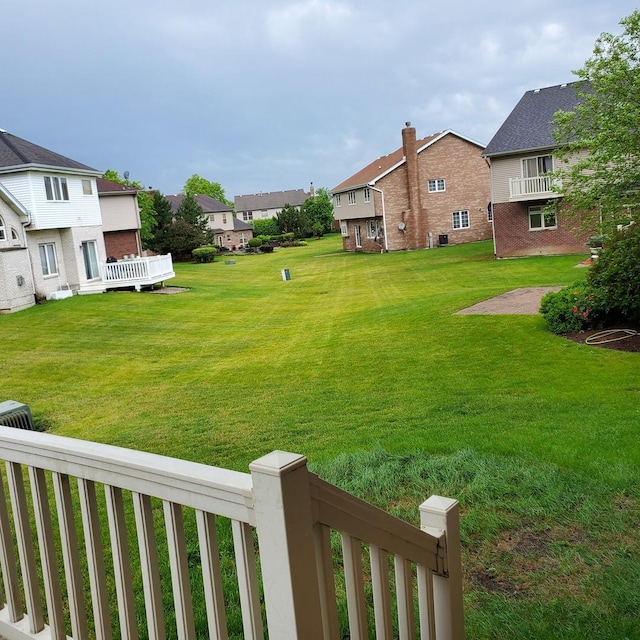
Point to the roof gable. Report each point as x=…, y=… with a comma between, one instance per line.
x=530, y=125
x=386, y=164
x=18, y=154
x=270, y=200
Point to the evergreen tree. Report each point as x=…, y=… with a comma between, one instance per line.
x=292, y=220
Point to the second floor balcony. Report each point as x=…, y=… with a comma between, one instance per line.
x=536, y=188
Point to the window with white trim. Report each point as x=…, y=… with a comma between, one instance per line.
x=373, y=230
x=264, y=213
x=247, y=216
x=224, y=218
x=490, y=212
x=436, y=184
x=56, y=188
x=14, y=234
x=48, y=259
x=3, y=234
x=540, y=217
x=367, y=194
x=344, y=228
x=336, y=199
x=461, y=219
x=352, y=197
x=87, y=190
x=537, y=166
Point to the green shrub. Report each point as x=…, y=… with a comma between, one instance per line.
x=616, y=274
x=265, y=227
x=255, y=242
x=204, y=254
x=573, y=308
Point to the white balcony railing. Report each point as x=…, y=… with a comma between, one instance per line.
x=532, y=188
x=146, y=540
x=137, y=272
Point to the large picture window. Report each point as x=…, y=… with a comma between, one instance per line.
x=48, y=259
x=56, y=188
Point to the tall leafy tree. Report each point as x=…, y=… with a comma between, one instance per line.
x=603, y=133
x=293, y=220
x=319, y=212
x=197, y=185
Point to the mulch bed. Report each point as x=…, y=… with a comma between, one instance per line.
x=631, y=344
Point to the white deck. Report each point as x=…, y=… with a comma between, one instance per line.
x=137, y=272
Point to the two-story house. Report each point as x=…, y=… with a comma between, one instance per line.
x=229, y=232
x=60, y=212
x=120, y=219
x=527, y=214
x=430, y=192
x=260, y=206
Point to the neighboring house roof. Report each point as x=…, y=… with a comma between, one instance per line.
x=208, y=204
x=386, y=164
x=271, y=200
x=108, y=187
x=238, y=225
x=16, y=153
x=530, y=125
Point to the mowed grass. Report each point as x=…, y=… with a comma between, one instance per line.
x=364, y=353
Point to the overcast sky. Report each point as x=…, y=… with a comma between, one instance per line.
x=267, y=95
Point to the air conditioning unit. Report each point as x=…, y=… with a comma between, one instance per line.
x=17, y=415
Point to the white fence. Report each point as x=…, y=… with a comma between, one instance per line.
x=137, y=272
x=159, y=547
x=539, y=186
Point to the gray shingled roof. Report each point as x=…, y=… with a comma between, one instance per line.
x=271, y=200
x=16, y=152
x=208, y=204
x=529, y=126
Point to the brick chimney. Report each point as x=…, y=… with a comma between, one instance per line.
x=312, y=191
x=413, y=216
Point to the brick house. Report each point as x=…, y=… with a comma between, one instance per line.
x=430, y=192
x=520, y=154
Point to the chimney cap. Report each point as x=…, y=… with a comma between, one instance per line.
x=408, y=124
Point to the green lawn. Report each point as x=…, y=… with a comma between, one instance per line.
x=363, y=353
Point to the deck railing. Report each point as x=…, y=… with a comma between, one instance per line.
x=532, y=188
x=161, y=547
x=137, y=272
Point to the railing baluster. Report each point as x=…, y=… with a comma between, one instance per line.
x=121, y=563
x=425, y=603
x=324, y=563
x=70, y=555
x=149, y=565
x=404, y=595
x=354, y=583
x=210, y=559
x=381, y=593
x=179, y=570
x=25, y=547
x=247, y=579
x=10, y=577
x=95, y=559
x=48, y=560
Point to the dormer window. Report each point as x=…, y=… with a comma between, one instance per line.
x=56, y=188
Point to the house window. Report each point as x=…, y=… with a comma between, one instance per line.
x=56, y=188
x=90, y=256
x=538, y=166
x=461, y=220
x=337, y=199
x=87, y=190
x=367, y=194
x=247, y=216
x=358, y=237
x=489, y=212
x=264, y=213
x=3, y=235
x=48, y=259
x=352, y=197
x=344, y=228
x=372, y=229
x=436, y=185
x=14, y=234
x=224, y=218
x=541, y=218
x=243, y=238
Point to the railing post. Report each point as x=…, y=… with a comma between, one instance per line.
x=442, y=515
x=284, y=522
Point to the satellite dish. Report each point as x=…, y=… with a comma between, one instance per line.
x=126, y=175
x=401, y=226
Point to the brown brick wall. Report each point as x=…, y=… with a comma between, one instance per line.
x=513, y=237
x=121, y=243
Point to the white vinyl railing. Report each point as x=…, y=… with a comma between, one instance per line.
x=137, y=272
x=539, y=186
x=158, y=547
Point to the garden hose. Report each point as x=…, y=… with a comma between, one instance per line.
x=602, y=337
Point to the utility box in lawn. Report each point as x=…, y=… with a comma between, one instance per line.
x=286, y=274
